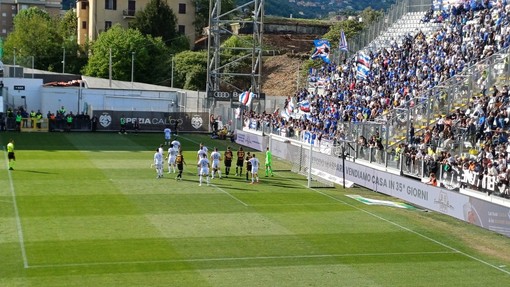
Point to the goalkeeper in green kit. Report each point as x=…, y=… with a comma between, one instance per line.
x=269, y=169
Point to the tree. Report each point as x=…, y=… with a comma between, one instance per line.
x=370, y=15
x=190, y=70
x=152, y=60
x=202, y=12
x=69, y=25
x=158, y=20
x=35, y=35
x=39, y=37
x=75, y=55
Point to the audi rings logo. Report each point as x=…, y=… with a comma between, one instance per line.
x=221, y=95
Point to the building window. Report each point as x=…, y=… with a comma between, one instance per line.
x=4, y=31
x=84, y=5
x=84, y=24
x=131, y=7
x=107, y=25
x=110, y=4
x=24, y=6
x=13, y=7
x=182, y=8
x=4, y=14
x=182, y=29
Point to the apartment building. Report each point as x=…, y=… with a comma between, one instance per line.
x=97, y=16
x=10, y=8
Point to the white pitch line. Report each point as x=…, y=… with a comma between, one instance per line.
x=227, y=193
x=414, y=232
x=293, y=204
x=254, y=258
x=16, y=213
x=188, y=139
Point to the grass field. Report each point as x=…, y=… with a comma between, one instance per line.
x=83, y=209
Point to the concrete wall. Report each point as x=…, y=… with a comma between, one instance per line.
x=31, y=92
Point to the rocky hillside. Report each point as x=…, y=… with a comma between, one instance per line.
x=280, y=72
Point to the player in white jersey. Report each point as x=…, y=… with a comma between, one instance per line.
x=160, y=149
x=176, y=144
x=215, y=158
x=158, y=163
x=202, y=146
x=172, y=156
x=203, y=165
x=201, y=152
x=168, y=135
x=254, y=168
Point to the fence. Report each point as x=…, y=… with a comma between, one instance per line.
x=405, y=160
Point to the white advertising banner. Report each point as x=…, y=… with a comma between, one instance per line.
x=252, y=140
x=475, y=211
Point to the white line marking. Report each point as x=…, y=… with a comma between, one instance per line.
x=16, y=213
x=227, y=193
x=293, y=204
x=311, y=256
x=412, y=231
x=188, y=139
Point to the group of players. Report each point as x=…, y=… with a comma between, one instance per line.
x=206, y=163
x=174, y=156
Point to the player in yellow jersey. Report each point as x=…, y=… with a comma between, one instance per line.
x=240, y=161
x=10, y=154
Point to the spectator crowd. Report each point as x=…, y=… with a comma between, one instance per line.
x=401, y=73
x=20, y=118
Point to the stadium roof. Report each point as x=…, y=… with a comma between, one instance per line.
x=92, y=82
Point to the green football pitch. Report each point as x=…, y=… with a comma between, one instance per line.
x=86, y=209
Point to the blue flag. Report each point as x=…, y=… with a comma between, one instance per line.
x=322, y=49
x=342, y=43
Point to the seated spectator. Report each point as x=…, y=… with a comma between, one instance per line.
x=432, y=179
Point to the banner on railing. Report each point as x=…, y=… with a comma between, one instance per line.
x=482, y=213
x=252, y=140
x=187, y=122
x=454, y=179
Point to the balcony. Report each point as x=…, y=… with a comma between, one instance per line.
x=128, y=13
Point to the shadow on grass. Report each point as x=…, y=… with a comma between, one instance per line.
x=34, y=171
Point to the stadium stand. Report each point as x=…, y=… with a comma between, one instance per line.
x=465, y=144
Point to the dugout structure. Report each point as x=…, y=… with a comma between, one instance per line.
x=34, y=125
x=307, y=160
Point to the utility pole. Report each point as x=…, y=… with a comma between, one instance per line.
x=132, y=68
x=63, y=60
x=110, y=68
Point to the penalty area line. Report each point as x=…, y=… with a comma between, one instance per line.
x=227, y=193
x=16, y=214
x=226, y=259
